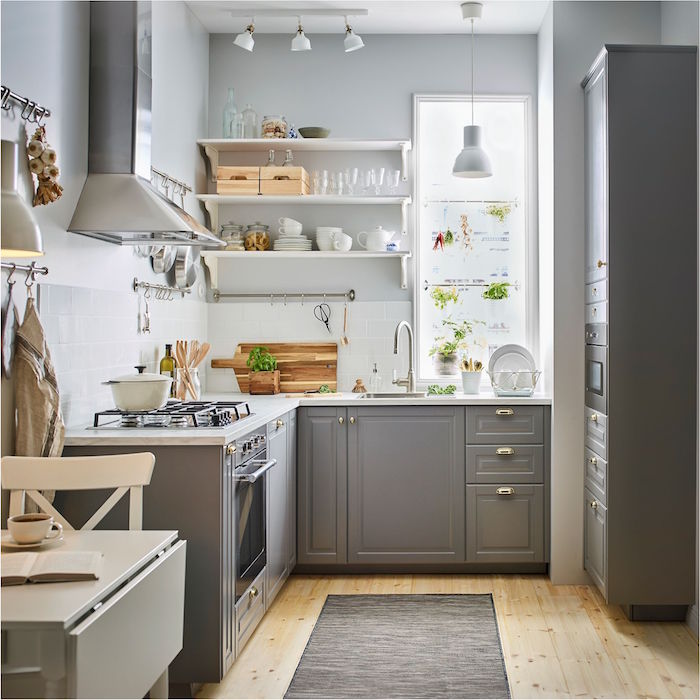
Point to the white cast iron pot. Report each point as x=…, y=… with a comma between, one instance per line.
x=140, y=392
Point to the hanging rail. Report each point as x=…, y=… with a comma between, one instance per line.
x=466, y=285
x=163, y=291
x=31, y=111
x=302, y=296
x=33, y=269
x=427, y=201
x=178, y=185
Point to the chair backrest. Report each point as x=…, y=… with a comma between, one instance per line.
x=27, y=476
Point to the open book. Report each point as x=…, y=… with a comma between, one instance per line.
x=48, y=567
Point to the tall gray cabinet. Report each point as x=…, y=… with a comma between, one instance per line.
x=641, y=294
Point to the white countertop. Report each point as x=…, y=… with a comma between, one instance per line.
x=268, y=408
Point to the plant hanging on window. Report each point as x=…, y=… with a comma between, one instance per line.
x=499, y=211
x=496, y=291
x=467, y=231
x=443, y=296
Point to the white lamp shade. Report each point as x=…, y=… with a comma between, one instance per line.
x=245, y=40
x=352, y=41
x=300, y=42
x=472, y=161
x=21, y=237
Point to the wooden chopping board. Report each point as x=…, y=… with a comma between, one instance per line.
x=302, y=395
x=302, y=366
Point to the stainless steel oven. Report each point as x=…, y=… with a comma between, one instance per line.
x=250, y=508
x=597, y=367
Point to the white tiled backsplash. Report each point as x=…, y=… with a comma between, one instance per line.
x=371, y=328
x=94, y=335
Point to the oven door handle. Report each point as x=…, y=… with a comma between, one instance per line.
x=254, y=476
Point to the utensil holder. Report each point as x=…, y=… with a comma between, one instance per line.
x=187, y=383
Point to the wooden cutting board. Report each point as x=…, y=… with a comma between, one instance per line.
x=302, y=366
x=302, y=395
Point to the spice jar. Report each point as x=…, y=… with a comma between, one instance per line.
x=232, y=235
x=274, y=127
x=257, y=237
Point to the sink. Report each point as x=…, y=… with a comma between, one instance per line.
x=394, y=395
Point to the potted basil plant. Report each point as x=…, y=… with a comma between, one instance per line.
x=446, y=348
x=263, y=375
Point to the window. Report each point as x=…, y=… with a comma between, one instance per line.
x=472, y=235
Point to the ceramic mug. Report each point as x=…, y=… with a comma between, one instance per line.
x=325, y=236
x=33, y=528
x=290, y=230
x=288, y=223
x=342, y=242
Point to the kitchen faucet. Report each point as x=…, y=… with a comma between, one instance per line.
x=410, y=381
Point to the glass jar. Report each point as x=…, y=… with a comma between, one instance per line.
x=232, y=235
x=274, y=127
x=250, y=122
x=187, y=389
x=229, y=116
x=257, y=237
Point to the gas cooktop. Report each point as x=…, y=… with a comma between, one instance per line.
x=176, y=414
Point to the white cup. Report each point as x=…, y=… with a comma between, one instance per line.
x=342, y=242
x=325, y=236
x=288, y=223
x=33, y=528
x=290, y=230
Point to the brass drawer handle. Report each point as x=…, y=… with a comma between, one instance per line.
x=253, y=593
x=505, y=451
x=280, y=423
x=504, y=411
x=601, y=264
x=593, y=417
x=594, y=505
x=505, y=491
x=352, y=419
x=341, y=420
x=230, y=449
x=593, y=460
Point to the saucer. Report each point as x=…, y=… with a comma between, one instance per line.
x=7, y=542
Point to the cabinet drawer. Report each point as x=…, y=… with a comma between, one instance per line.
x=596, y=432
x=597, y=313
x=277, y=426
x=490, y=425
x=596, y=292
x=490, y=464
x=596, y=475
x=595, y=536
x=116, y=631
x=505, y=523
x=249, y=611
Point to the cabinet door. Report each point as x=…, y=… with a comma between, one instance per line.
x=596, y=176
x=406, y=485
x=322, y=486
x=228, y=574
x=505, y=523
x=277, y=509
x=594, y=541
x=292, y=489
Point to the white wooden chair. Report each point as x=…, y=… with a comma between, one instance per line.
x=25, y=477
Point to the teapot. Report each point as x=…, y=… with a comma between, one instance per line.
x=376, y=239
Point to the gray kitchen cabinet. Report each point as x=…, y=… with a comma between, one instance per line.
x=292, y=489
x=277, y=509
x=405, y=484
x=489, y=425
x=491, y=464
x=594, y=539
x=322, y=486
x=641, y=422
x=505, y=523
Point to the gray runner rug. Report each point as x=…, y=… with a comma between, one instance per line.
x=403, y=646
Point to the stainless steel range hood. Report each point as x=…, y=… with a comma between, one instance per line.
x=118, y=202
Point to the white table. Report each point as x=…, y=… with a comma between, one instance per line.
x=114, y=637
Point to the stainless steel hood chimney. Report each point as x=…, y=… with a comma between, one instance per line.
x=118, y=202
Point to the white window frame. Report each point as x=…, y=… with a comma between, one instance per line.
x=530, y=218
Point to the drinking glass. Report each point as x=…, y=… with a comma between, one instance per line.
x=333, y=184
x=324, y=182
x=392, y=181
x=368, y=180
x=315, y=182
x=378, y=180
x=340, y=182
x=351, y=180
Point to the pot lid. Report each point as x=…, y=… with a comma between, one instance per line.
x=142, y=376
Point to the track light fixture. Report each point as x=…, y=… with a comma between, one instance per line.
x=352, y=41
x=300, y=42
x=245, y=39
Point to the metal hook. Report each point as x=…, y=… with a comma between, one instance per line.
x=29, y=105
x=40, y=119
x=285, y=300
x=147, y=293
x=170, y=295
x=302, y=298
x=10, y=281
x=5, y=99
x=29, y=281
x=272, y=300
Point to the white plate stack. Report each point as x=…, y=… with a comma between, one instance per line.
x=291, y=237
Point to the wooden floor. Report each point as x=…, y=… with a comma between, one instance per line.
x=558, y=641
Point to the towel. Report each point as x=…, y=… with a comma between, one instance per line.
x=40, y=430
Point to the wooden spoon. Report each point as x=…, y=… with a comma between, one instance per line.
x=344, y=340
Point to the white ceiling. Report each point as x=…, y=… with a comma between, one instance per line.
x=385, y=16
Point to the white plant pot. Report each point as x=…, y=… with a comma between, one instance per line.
x=445, y=366
x=471, y=382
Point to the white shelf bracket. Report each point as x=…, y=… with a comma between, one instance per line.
x=213, y=156
x=212, y=208
x=405, y=147
x=213, y=264
x=404, y=217
x=404, y=271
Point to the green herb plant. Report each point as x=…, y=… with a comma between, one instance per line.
x=496, y=291
x=437, y=390
x=260, y=360
x=499, y=212
x=442, y=296
x=447, y=346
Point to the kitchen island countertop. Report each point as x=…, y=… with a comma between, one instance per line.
x=267, y=408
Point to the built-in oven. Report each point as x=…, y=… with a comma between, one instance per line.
x=597, y=367
x=250, y=509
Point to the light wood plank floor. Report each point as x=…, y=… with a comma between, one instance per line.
x=558, y=641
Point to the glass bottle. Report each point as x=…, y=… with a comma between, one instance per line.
x=375, y=381
x=167, y=367
x=230, y=111
x=250, y=122
x=288, y=158
x=237, y=129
